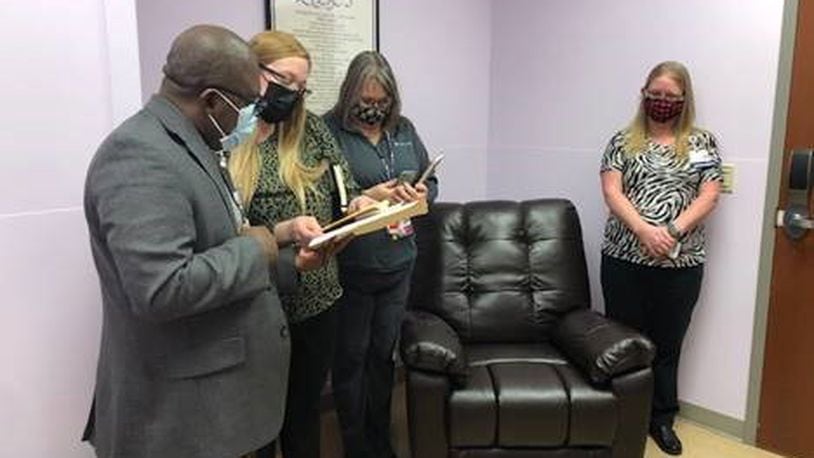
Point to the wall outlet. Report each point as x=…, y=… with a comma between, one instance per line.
x=728, y=186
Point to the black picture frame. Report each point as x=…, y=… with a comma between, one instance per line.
x=321, y=26
x=268, y=7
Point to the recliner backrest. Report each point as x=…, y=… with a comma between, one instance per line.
x=500, y=271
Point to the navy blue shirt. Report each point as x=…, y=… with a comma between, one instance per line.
x=400, y=149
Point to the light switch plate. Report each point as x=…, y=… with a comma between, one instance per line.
x=728, y=185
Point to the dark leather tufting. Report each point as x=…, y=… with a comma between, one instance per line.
x=504, y=356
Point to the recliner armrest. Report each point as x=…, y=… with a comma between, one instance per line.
x=600, y=347
x=429, y=344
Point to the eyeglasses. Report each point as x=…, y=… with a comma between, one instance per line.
x=229, y=97
x=657, y=95
x=243, y=100
x=285, y=81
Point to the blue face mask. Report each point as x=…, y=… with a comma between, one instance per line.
x=244, y=129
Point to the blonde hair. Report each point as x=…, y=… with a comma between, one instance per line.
x=244, y=162
x=638, y=132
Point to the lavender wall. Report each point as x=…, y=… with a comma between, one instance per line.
x=160, y=21
x=451, y=113
x=540, y=85
x=67, y=82
x=565, y=75
x=447, y=97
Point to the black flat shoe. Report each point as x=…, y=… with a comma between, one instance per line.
x=666, y=439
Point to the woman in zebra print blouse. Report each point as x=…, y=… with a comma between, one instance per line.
x=661, y=177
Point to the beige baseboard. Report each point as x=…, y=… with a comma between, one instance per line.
x=714, y=420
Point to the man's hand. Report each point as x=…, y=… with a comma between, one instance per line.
x=657, y=242
x=308, y=259
x=265, y=238
x=299, y=230
x=304, y=228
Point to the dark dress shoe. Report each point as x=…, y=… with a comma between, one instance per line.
x=666, y=439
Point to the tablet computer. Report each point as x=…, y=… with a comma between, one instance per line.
x=430, y=169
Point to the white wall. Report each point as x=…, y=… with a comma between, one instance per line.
x=566, y=74
x=67, y=80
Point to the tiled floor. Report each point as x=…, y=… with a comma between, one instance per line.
x=698, y=441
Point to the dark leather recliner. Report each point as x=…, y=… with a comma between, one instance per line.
x=504, y=356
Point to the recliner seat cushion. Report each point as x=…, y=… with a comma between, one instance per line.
x=539, y=352
x=521, y=453
x=530, y=404
x=473, y=411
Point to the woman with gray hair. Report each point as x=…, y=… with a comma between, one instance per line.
x=385, y=155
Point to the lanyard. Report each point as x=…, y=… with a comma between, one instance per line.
x=389, y=167
x=238, y=213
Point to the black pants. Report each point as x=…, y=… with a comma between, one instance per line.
x=659, y=303
x=268, y=451
x=312, y=345
x=370, y=314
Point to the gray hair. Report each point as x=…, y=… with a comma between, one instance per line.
x=365, y=66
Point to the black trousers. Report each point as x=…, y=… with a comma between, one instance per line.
x=267, y=451
x=659, y=303
x=370, y=314
x=312, y=345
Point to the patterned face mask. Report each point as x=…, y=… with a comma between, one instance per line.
x=244, y=128
x=370, y=114
x=661, y=110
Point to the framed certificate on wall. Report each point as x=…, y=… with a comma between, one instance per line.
x=333, y=32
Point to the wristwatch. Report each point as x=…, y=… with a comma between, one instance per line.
x=673, y=231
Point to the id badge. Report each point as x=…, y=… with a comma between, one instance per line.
x=701, y=159
x=673, y=254
x=401, y=229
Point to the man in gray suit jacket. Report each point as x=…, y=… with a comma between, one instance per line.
x=195, y=350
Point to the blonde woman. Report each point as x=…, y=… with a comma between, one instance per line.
x=660, y=178
x=288, y=174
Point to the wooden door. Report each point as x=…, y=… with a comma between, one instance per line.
x=786, y=416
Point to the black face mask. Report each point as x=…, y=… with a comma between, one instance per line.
x=277, y=103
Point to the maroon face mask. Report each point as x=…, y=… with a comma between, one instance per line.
x=660, y=110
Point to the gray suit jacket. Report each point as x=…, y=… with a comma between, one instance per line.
x=195, y=350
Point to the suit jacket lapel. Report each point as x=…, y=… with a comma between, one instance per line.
x=176, y=123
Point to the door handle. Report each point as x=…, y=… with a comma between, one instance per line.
x=791, y=218
x=796, y=220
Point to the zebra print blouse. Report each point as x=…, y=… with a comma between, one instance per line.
x=660, y=185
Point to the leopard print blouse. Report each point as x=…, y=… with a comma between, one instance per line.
x=274, y=202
